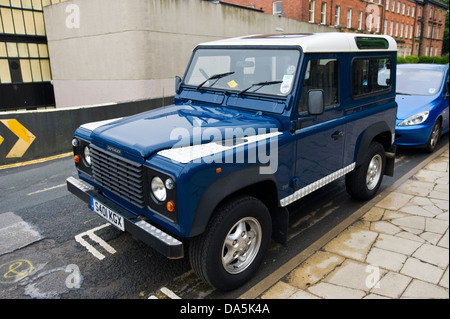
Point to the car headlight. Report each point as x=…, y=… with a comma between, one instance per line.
x=87, y=155
x=158, y=189
x=416, y=119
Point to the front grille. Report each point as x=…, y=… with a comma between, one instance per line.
x=121, y=176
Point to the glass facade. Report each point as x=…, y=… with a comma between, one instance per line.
x=25, y=74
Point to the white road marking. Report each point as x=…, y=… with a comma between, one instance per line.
x=91, y=234
x=169, y=293
x=46, y=189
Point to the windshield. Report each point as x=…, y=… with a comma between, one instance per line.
x=259, y=71
x=418, y=82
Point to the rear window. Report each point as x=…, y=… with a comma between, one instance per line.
x=371, y=76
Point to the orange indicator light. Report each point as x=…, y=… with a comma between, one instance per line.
x=77, y=159
x=170, y=206
x=218, y=170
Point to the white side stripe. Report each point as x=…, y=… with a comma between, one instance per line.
x=189, y=153
x=316, y=185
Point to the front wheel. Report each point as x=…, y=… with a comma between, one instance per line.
x=365, y=180
x=232, y=248
x=434, y=138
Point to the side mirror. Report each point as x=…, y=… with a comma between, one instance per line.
x=177, y=83
x=315, y=102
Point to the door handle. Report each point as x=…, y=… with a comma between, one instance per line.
x=337, y=135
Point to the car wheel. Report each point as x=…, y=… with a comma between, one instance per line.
x=365, y=180
x=232, y=248
x=434, y=137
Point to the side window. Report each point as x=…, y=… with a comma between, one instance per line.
x=321, y=74
x=370, y=76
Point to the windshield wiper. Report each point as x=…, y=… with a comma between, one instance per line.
x=216, y=77
x=260, y=84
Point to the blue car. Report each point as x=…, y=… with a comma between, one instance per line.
x=422, y=98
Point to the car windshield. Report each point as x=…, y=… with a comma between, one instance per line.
x=418, y=82
x=245, y=71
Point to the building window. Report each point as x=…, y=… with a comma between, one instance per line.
x=337, y=22
x=413, y=11
x=385, y=26
x=393, y=6
x=403, y=8
x=277, y=8
x=398, y=7
x=408, y=10
x=312, y=4
x=387, y=5
x=349, y=18
x=396, y=29
x=360, y=20
x=369, y=21
x=406, y=31
x=401, y=30
x=323, y=13
x=391, y=30
x=378, y=23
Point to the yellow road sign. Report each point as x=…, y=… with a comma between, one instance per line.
x=26, y=138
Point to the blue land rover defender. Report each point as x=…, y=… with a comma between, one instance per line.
x=257, y=123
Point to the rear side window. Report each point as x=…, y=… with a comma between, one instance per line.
x=371, y=76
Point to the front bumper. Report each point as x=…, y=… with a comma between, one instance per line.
x=156, y=238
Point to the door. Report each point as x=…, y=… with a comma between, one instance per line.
x=320, y=139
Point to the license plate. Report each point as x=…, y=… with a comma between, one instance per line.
x=108, y=214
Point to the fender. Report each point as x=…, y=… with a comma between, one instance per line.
x=227, y=185
x=380, y=132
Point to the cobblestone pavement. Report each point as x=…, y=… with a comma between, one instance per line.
x=399, y=248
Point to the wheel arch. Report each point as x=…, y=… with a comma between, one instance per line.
x=247, y=181
x=378, y=132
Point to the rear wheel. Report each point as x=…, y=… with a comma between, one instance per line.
x=365, y=180
x=232, y=248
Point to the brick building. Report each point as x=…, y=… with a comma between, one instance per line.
x=417, y=25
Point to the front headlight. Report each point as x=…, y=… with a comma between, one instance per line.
x=158, y=189
x=87, y=155
x=416, y=119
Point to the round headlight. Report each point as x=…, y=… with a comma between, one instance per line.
x=158, y=189
x=87, y=155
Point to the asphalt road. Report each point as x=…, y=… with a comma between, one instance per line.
x=53, y=246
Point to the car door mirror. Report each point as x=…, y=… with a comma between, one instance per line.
x=315, y=102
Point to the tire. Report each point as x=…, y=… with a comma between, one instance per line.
x=365, y=180
x=434, y=137
x=232, y=247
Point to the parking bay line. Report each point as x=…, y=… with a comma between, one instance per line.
x=91, y=234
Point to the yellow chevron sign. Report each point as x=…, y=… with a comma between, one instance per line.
x=26, y=138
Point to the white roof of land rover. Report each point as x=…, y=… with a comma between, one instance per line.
x=312, y=42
